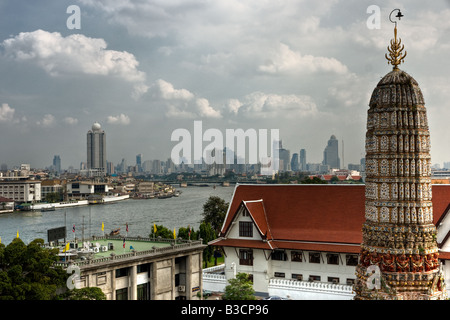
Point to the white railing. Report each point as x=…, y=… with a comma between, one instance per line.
x=214, y=279
x=215, y=269
x=310, y=290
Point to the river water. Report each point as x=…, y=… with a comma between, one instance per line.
x=183, y=211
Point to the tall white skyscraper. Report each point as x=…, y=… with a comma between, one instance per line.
x=96, y=148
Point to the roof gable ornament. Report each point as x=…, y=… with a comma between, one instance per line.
x=396, y=55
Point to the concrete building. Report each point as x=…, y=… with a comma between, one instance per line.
x=138, y=268
x=52, y=186
x=84, y=189
x=21, y=190
x=145, y=187
x=6, y=205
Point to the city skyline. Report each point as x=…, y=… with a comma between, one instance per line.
x=306, y=68
x=96, y=149
x=331, y=150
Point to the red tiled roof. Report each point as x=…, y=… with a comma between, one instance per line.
x=441, y=200
x=258, y=214
x=307, y=216
x=241, y=243
x=320, y=213
x=338, y=248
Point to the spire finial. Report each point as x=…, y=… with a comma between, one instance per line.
x=396, y=55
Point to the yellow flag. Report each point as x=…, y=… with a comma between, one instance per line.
x=66, y=248
x=0, y=240
x=17, y=235
x=103, y=226
x=154, y=228
x=174, y=234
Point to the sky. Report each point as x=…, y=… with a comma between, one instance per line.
x=144, y=69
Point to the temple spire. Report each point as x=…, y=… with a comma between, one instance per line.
x=396, y=55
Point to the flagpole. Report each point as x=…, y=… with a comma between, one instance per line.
x=65, y=226
x=90, y=232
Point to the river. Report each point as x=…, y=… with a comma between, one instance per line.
x=140, y=215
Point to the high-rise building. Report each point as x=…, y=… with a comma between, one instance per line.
x=294, y=162
x=110, y=168
x=284, y=156
x=139, y=162
x=331, y=154
x=57, y=163
x=96, y=149
x=399, y=252
x=303, y=160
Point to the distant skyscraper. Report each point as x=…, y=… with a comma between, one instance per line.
x=110, y=168
x=96, y=148
x=57, y=163
x=294, y=162
x=302, y=160
x=331, y=154
x=139, y=162
x=284, y=156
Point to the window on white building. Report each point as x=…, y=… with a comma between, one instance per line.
x=332, y=258
x=351, y=259
x=334, y=280
x=245, y=229
x=296, y=256
x=314, y=257
x=246, y=257
x=279, y=255
x=314, y=278
x=297, y=276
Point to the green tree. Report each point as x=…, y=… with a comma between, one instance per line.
x=315, y=180
x=184, y=233
x=240, y=288
x=90, y=293
x=207, y=233
x=27, y=272
x=162, y=232
x=53, y=197
x=334, y=179
x=214, y=211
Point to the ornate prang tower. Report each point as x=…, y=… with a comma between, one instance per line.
x=399, y=252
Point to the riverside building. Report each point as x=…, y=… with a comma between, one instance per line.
x=131, y=268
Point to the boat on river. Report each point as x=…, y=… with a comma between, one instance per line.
x=51, y=208
x=115, y=232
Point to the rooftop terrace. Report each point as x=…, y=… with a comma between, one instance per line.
x=106, y=249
